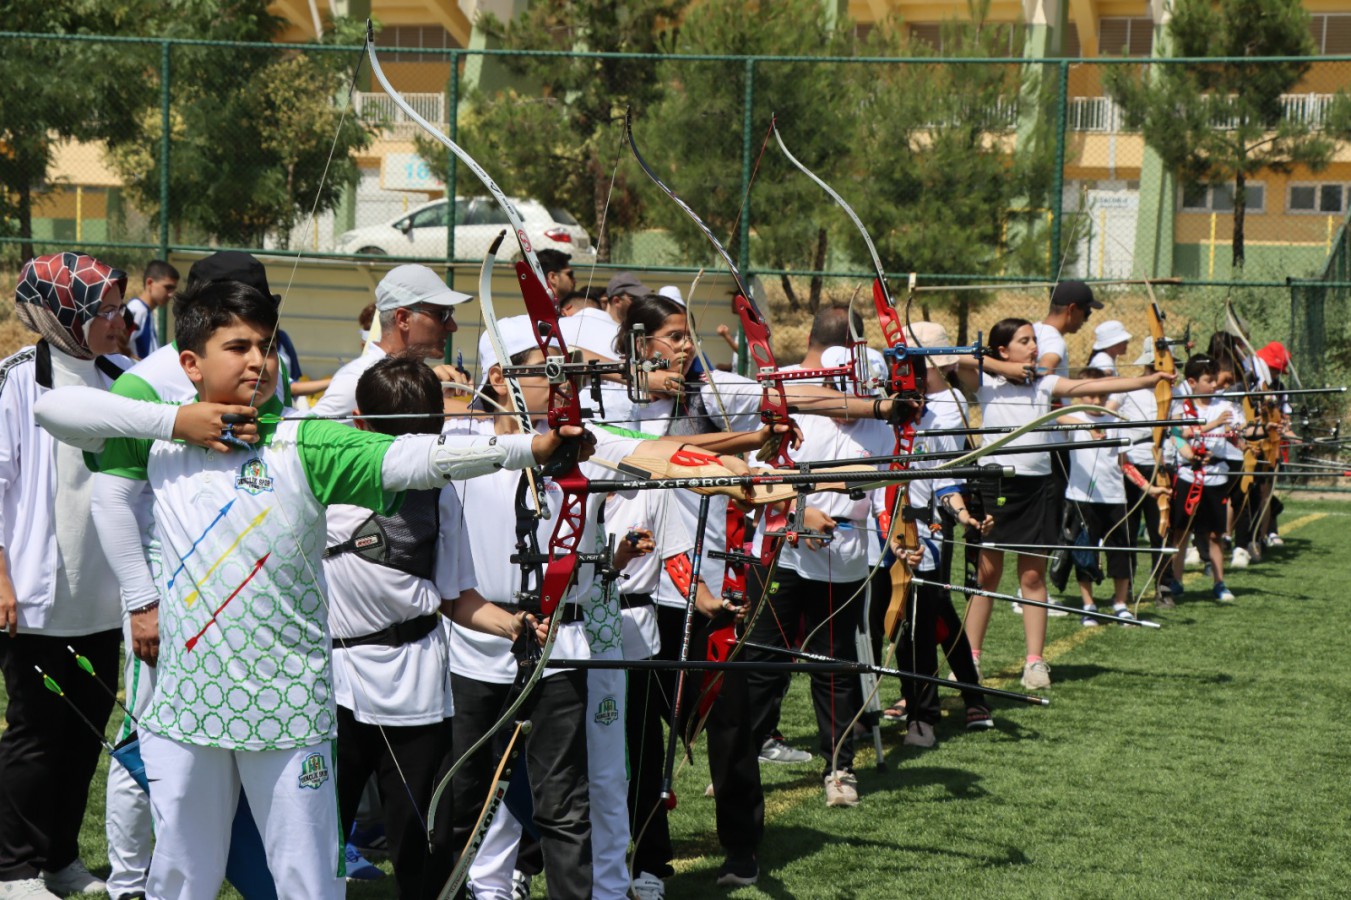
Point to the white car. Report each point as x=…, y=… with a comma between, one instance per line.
x=421, y=232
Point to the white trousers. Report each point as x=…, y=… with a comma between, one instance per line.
x=294, y=802
x=607, y=770
x=128, y=825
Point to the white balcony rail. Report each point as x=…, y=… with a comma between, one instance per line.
x=1102, y=115
x=378, y=109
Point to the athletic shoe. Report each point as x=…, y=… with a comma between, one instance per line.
x=1053, y=613
x=647, y=887
x=978, y=718
x=1018, y=609
x=739, y=871
x=1222, y=593
x=73, y=879
x=842, y=788
x=1274, y=540
x=1089, y=621
x=27, y=889
x=1240, y=558
x=1124, y=614
x=520, y=885
x=774, y=750
x=370, y=841
x=1164, y=600
x=1209, y=570
x=1174, y=587
x=708, y=791
x=1037, y=675
x=359, y=868
x=919, y=734
x=1193, y=558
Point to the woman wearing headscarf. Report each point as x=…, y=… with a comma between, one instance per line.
x=56, y=587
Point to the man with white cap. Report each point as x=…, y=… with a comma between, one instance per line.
x=415, y=310
x=1109, y=341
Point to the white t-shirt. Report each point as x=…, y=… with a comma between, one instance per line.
x=492, y=539
x=341, y=397
x=407, y=685
x=1095, y=473
x=1103, y=360
x=143, y=339
x=1005, y=404
x=845, y=558
x=1050, y=340
x=924, y=493
x=1140, y=406
x=1216, y=469
x=645, y=509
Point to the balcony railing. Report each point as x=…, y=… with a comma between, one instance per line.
x=1103, y=115
x=379, y=109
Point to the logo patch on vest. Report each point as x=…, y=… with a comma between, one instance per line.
x=313, y=771
x=253, y=477
x=607, y=713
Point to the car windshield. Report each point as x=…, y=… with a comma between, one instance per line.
x=562, y=216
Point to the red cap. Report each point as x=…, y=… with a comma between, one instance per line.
x=1275, y=355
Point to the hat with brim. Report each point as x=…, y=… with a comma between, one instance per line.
x=591, y=334
x=518, y=336
x=1109, y=334
x=1074, y=293
x=931, y=334
x=626, y=283
x=410, y=285
x=232, y=265
x=1146, y=358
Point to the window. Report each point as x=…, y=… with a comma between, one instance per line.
x=487, y=212
x=1220, y=197
x=1008, y=43
x=416, y=37
x=1317, y=198
x=1125, y=36
x=432, y=217
x=1331, y=33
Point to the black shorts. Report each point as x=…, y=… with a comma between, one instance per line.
x=1211, y=513
x=1027, y=513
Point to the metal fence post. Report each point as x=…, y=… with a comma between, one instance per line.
x=453, y=123
x=744, y=239
x=165, y=65
x=1058, y=183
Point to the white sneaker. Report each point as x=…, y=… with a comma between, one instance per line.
x=27, y=889
x=841, y=788
x=1037, y=675
x=1018, y=609
x=1240, y=558
x=647, y=887
x=1056, y=613
x=1274, y=540
x=73, y=879
x=1193, y=558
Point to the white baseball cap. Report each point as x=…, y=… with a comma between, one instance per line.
x=518, y=335
x=671, y=292
x=413, y=284
x=1147, y=357
x=1109, y=334
x=595, y=334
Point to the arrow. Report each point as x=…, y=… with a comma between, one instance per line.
x=258, y=520
x=183, y=560
x=192, y=641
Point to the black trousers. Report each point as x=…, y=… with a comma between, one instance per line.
x=733, y=754
x=419, y=752
x=555, y=757
x=931, y=622
x=1146, y=511
x=47, y=755
x=835, y=697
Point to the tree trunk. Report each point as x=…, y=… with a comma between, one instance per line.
x=598, y=193
x=788, y=293
x=1240, y=213
x=963, y=320
x=819, y=265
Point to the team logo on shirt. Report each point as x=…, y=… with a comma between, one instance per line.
x=313, y=771
x=253, y=477
x=607, y=713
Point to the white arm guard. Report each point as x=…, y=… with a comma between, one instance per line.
x=111, y=505
x=421, y=461
x=84, y=417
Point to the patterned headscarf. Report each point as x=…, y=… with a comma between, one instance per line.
x=59, y=294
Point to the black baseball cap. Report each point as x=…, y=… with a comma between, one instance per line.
x=1074, y=293
x=232, y=265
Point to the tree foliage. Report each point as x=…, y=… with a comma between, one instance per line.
x=693, y=136
x=54, y=91
x=562, y=143
x=961, y=157
x=1223, y=122
x=252, y=131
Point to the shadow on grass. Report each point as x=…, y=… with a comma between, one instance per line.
x=1065, y=673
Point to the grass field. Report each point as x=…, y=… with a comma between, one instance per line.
x=1207, y=758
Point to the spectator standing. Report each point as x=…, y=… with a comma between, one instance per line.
x=160, y=282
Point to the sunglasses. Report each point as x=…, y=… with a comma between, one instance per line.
x=442, y=314
x=113, y=314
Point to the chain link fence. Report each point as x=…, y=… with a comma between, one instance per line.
x=999, y=173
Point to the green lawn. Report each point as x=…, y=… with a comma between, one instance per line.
x=1207, y=758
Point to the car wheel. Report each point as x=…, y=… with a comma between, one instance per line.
x=372, y=251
